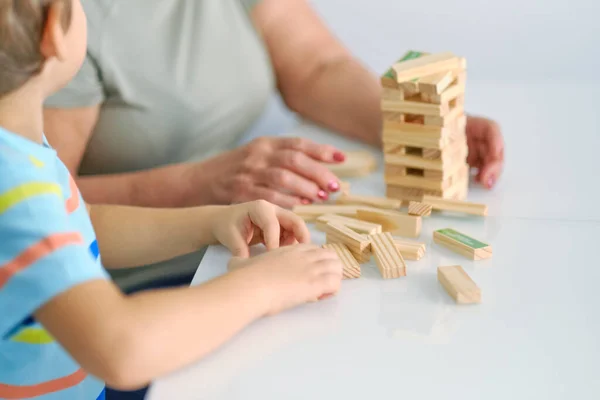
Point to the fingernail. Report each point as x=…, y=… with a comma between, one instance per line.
x=333, y=186
x=339, y=156
x=322, y=195
x=490, y=182
x=305, y=201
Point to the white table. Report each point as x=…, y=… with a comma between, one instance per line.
x=536, y=334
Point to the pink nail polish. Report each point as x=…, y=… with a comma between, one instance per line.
x=339, y=156
x=333, y=186
x=490, y=182
x=305, y=201
x=322, y=195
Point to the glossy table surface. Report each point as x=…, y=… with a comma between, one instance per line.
x=536, y=334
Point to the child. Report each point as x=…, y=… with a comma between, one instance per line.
x=65, y=328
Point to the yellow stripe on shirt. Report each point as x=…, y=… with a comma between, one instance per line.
x=33, y=336
x=38, y=163
x=25, y=191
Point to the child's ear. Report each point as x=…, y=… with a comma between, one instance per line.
x=54, y=42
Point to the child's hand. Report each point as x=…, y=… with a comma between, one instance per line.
x=292, y=275
x=240, y=226
x=486, y=149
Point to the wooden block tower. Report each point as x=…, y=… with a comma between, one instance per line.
x=425, y=147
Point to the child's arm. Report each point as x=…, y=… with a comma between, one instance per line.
x=130, y=341
x=131, y=236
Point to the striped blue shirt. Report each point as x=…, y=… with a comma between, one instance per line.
x=47, y=246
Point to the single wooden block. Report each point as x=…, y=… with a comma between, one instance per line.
x=359, y=245
x=312, y=211
x=432, y=154
x=453, y=114
x=414, y=107
x=442, y=204
x=371, y=201
x=356, y=164
x=397, y=223
x=427, y=65
x=394, y=170
x=388, y=258
x=410, y=250
x=419, y=209
x=392, y=148
x=462, y=244
x=388, y=79
x=358, y=226
x=459, y=284
x=393, y=116
x=436, y=83
x=344, y=187
x=351, y=266
x=449, y=94
x=418, y=182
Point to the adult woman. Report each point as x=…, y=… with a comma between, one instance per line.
x=169, y=87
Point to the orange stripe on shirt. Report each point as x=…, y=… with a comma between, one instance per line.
x=73, y=201
x=55, y=385
x=41, y=249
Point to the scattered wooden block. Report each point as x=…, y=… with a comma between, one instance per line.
x=397, y=223
x=372, y=201
x=344, y=187
x=351, y=266
x=359, y=245
x=420, y=209
x=459, y=284
x=441, y=204
x=356, y=164
x=388, y=258
x=462, y=244
x=358, y=226
x=410, y=250
x=312, y=211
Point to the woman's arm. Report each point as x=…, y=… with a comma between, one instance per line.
x=69, y=130
x=317, y=75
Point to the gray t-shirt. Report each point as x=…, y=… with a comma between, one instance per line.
x=178, y=80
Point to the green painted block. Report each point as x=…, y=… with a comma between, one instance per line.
x=462, y=238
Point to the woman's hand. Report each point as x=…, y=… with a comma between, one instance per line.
x=283, y=171
x=240, y=226
x=486, y=149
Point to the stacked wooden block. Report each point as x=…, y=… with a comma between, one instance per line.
x=425, y=147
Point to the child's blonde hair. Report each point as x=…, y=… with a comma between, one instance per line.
x=22, y=25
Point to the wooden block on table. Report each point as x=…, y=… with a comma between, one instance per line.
x=427, y=65
x=462, y=244
x=344, y=187
x=312, y=211
x=397, y=223
x=359, y=245
x=358, y=226
x=419, y=209
x=387, y=256
x=466, y=207
x=371, y=201
x=459, y=284
x=356, y=164
x=410, y=250
x=351, y=266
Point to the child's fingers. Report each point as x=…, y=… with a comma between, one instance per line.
x=291, y=222
x=264, y=217
x=236, y=243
